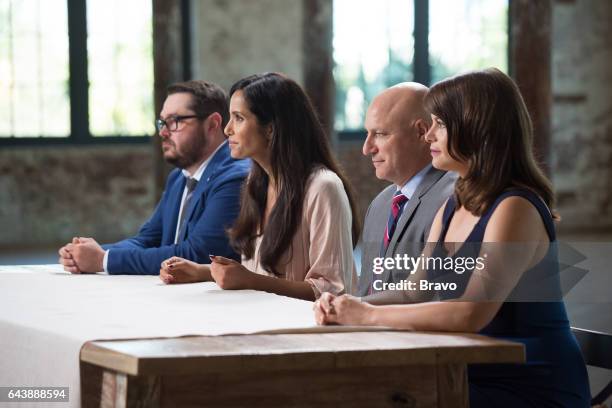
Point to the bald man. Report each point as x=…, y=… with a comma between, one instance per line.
x=398, y=220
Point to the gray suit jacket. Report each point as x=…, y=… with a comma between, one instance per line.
x=412, y=228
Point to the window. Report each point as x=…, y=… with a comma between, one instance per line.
x=119, y=44
x=34, y=68
x=378, y=43
x=466, y=35
x=373, y=49
x=76, y=71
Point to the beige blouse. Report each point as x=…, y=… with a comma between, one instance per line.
x=321, y=252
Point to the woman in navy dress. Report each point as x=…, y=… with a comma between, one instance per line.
x=501, y=213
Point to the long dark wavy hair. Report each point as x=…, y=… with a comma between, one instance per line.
x=488, y=127
x=298, y=146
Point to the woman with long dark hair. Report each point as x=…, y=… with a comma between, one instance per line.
x=500, y=216
x=297, y=220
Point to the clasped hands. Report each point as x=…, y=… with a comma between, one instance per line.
x=82, y=255
x=227, y=273
x=345, y=310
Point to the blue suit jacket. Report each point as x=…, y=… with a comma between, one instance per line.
x=213, y=208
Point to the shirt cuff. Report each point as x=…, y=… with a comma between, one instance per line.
x=105, y=261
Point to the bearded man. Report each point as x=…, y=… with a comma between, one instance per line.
x=201, y=199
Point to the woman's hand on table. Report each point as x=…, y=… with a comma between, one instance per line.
x=345, y=310
x=229, y=274
x=180, y=270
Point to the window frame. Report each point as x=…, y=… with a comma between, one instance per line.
x=79, y=93
x=420, y=66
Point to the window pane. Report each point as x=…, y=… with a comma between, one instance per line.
x=34, y=68
x=466, y=35
x=373, y=49
x=120, y=67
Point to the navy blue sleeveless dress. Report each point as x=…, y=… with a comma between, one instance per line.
x=555, y=373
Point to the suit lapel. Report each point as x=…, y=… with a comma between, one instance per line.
x=372, y=239
x=172, y=209
x=202, y=185
x=403, y=222
x=430, y=178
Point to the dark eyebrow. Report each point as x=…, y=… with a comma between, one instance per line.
x=174, y=115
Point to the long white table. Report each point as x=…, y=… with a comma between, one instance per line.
x=131, y=340
x=46, y=315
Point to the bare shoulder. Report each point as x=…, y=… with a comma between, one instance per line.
x=515, y=219
x=436, y=225
x=437, y=221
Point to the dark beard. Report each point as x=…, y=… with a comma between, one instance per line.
x=182, y=162
x=191, y=155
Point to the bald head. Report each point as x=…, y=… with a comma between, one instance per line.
x=402, y=103
x=396, y=122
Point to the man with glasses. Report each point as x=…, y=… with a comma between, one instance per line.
x=201, y=199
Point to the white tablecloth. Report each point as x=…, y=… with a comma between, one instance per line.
x=46, y=315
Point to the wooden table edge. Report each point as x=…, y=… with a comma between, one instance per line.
x=102, y=354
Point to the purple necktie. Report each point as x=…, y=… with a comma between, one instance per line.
x=397, y=206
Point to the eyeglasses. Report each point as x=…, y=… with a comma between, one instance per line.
x=172, y=122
